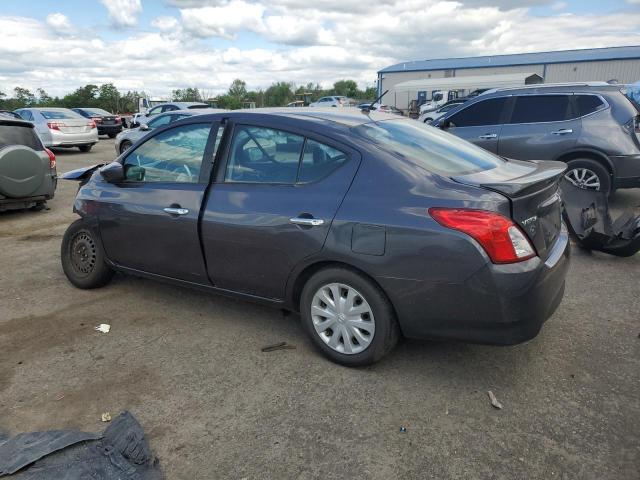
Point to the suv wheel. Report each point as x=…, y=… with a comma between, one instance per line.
x=588, y=174
x=85, y=148
x=348, y=317
x=83, y=258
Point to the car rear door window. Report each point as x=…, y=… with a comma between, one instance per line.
x=586, y=104
x=19, y=135
x=26, y=114
x=263, y=155
x=174, y=155
x=486, y=112
x=541, y=108
x=318, y=161
x=159, y=121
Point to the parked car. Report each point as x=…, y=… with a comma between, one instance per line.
x=127, y=138
x=592, y=127
x=378, y=107
x=61, y=127
x=10, y=114
x=107, y=123
x=166, y=107
x=332, y=101
x=27, y=169
x=284, y=207
x=432, y=116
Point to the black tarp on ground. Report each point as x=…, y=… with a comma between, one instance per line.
x=121, y=452
x=586, y=213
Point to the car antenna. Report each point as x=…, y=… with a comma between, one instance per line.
x=368, y=109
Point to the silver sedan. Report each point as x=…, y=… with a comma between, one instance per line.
x=126, y=138
x=61, y=127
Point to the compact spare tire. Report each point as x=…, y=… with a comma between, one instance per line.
x=348, y=317
x=22, y=171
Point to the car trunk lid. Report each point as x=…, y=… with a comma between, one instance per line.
x=532, y=188
x=73, y=125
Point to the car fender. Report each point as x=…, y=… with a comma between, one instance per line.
x=589, y=151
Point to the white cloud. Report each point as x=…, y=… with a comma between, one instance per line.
x=59, y=22
x=223, y=21
x=123, y=13
x=165, y=23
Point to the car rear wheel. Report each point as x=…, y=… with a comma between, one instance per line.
x=348, y=317
x=112, y=135
x=83, y=259
x=125, y=145
x=85, y=148
x=428, y=120
x=588, y=174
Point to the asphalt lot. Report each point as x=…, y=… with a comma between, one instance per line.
x=189, y=366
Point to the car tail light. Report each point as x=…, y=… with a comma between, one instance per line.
x=500, y=237
x=52, y=158
x=91, y=124
x=118, y=119
x=96, y=119
x=55, y=125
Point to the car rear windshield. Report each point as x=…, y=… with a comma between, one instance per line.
x=96, y=111
x=202, y=105
x=19, y=135
x=435, y=150
x=58, y=114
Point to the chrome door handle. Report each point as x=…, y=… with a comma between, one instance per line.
x=488, y=136
x=309, y=222
x=562, y=131
x=176, y=211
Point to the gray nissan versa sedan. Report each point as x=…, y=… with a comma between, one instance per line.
x=369, y=225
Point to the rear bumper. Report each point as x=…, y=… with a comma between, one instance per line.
x=499, y=304
x=627, y=170
x=109, y=129
x=59, y=139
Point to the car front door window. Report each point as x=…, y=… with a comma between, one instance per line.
x=174, y=155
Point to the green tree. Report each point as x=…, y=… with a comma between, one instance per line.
x=279, y=94
x=23, y=97
x=82, y=97
x=348, y=88
x=109, y=98
x=188, y=94
x=43, y=97
x=238, y=89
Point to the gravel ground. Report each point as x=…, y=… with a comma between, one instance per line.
x=189, y=366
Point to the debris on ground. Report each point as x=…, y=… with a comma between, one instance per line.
x=105, y=417
x=103, y=328
x=60, y=397
x=586, y=213
x=121, y=452
x=403, y=430
x=278, y=346
x=494, y=401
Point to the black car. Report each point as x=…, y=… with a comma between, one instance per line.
x=107, y=123
x=370, y=225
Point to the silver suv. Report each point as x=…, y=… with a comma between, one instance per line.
x=593, y=127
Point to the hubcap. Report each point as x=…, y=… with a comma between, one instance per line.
x=83, y=253
x=342, y=318
x=583, y=178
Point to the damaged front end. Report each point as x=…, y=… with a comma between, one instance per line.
x=586, y=212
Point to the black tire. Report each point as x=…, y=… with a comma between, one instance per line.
x=112, y=135
x=85, y=148
x=124, y=146
x=604, y=177
x=428, y=120
x=386, y=332
x=86, y=267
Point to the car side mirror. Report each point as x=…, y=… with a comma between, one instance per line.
x=113, y=172
x=144, y=127
x=443, y=124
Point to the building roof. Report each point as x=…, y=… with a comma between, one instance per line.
x=538, y=58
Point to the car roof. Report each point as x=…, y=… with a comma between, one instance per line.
x=196, y=111
x=584, y=87
x=331, y=117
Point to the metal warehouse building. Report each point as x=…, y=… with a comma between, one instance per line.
x=596, y=64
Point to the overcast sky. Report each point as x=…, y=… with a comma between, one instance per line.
x=160, y=45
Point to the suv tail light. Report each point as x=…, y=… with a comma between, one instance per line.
x=118, y=119
x=96, y=119
x=500, y=237
x=55, y=125
x=52, y=158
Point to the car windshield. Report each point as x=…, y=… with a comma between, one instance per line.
x=96, y=111
x=57, y=114
x=429, y=147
